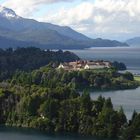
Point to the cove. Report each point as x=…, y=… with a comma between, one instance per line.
x=128, y=99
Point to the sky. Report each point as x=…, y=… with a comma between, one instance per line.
x=112, y=19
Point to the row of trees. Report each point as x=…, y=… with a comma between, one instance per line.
x=91, y=79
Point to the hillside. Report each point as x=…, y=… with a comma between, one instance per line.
x=22, y=31
x=134, y=41
x=27, y=59
x=7, y=43
x=46, y=99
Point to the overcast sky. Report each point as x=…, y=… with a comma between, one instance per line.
x=114, y=19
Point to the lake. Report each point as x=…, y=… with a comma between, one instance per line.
x=129, y=99
x=7, y=133
x=128, y=55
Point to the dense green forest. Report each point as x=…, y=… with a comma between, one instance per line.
x=43, y=97
x=27, y=59
x=62, y=109
x=99, y=79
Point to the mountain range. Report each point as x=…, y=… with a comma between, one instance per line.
x=134, y=41
x=16, y=31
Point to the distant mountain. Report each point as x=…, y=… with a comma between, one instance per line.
x=12, y=43
x=9, y=43
x=134, y=41
x=46, y=35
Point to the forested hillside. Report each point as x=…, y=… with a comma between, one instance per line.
x=27, y=59
x=63, y=109
x=98, y=79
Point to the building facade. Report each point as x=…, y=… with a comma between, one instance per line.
x=81, y=65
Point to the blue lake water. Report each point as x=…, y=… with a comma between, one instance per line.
x=128, y=99
x=29, y=134
x=128, y=55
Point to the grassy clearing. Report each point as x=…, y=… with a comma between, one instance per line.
x=137, y=78
x=137, y=138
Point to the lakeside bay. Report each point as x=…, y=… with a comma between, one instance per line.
x=128, y=99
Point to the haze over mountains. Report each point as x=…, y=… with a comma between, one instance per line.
x=16, y=31
x=134, y=41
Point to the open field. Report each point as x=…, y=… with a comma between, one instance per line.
x=137, y=78
x=138, y=138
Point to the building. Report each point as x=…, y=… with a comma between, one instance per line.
x=80, y=65
x=65, y=66
x=97, y=65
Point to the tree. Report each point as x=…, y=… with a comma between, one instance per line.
x=122, y=117
x=49, y=108
x=128, y=134
x=108, y=103
x=128, y=76
x=86, y=104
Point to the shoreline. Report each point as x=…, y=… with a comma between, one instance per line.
x=35, y=132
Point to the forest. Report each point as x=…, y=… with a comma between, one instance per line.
x=35, y=94
x=63, y=109
x=98, y=79
x=30, y=58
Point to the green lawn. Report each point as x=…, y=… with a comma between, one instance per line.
x=137, y=78
x=138, y=138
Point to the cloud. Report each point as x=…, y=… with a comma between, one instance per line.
x=101, y=18
x=26, y=8
x=95, y=18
